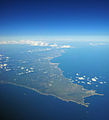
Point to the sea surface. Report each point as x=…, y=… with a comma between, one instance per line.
x=18, y=103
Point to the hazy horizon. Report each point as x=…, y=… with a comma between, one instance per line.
x=57, y=38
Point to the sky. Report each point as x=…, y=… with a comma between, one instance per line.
x=54, y=18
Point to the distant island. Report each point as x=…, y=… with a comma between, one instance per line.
x=31, y=67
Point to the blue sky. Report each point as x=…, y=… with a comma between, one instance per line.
x=54, y=18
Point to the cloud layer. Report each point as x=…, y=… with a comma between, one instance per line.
x=36, y=43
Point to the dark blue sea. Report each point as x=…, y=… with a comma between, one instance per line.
x=17, y=103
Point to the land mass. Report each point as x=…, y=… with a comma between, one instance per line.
x=33, y=69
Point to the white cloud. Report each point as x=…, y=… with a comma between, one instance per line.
x=88, y=83
x=93, y=79
x=29, y=42
x=81, y=78
x=35, y=43
x=98, y=44
x=65, y=46
x=53, y=45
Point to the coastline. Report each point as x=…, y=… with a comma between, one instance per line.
x=23, y=86
x=91, y=92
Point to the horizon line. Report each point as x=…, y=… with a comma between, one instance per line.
x=56, y=38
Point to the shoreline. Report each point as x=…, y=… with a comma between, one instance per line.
x=41, y=93
x=56, y=65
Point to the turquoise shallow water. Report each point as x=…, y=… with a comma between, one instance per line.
x=20, y=103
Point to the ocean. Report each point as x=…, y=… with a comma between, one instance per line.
x=18, y=103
